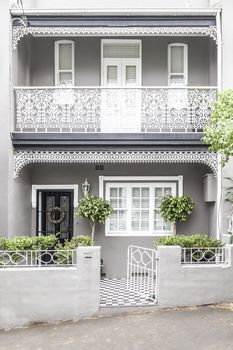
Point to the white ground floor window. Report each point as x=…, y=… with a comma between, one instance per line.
x=136, y=202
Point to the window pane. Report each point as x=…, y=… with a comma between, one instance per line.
x=113, y=202
x=177, y=59
x=121, y=50
x=122, y=220
x=118, y=202
x=140, y=201
x=65, y=56
x=112, y=74
x=167, y=191
x=113, y=221
x=135, y=220
x=130, y=74
x=113, y=192
x=136, y=203
x=65, y=78
x=159, y=223
x=177, y=80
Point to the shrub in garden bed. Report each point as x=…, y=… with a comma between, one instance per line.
x=28, y=243
x=49, y=242
x=191, y=241
x=78, y=241
x=65, y=256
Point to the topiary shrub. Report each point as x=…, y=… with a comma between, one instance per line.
x=192, y=241
x=174, y=208
x=95, y=209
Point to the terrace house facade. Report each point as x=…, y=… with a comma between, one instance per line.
x=117, y=96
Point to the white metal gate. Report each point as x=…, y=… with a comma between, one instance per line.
x=142, y=272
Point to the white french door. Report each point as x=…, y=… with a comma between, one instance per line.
x=121, y=69
x=121, y=72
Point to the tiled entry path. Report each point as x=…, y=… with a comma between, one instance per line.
x=113, y=293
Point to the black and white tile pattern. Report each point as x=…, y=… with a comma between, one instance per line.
x=114, y=293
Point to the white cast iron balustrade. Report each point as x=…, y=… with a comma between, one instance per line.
x=103, y=109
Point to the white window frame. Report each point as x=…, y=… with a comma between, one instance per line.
x=56, y=64
x=185, y=73
x=117, y=61
x=105, y=182
x=54, y=187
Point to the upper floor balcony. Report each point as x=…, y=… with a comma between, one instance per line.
x=113, y=109
x=100, y=84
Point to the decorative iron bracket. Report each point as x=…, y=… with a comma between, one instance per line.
x=21, y=31
x=24, y=157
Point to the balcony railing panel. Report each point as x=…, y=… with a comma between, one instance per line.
x=103, y=109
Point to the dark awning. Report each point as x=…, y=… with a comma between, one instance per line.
x=120, y=21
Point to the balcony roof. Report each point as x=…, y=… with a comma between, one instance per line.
x=119, y=21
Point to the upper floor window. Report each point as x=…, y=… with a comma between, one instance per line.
x=64, y=62
x=177, y=64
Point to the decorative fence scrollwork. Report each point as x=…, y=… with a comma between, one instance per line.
x=204, y=255
x=36, y=258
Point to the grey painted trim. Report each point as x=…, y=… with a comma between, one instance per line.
x=94, y=139
x=120, y=21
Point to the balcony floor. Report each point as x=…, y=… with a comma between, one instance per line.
x=146, y=140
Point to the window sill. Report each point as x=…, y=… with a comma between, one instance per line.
x=140, y=234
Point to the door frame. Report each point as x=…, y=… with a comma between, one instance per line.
x=59, y=188
x=58, y=192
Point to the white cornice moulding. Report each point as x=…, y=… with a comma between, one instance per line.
x=54, y=187
x=117, y=11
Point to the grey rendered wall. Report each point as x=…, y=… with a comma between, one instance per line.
x=201, y=57
x=182, y=285
x=19, y=199
x=5, y=142
x=22, y=70
x=51, y=294
x=114, y=249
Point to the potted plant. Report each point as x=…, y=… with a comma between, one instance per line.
x=95, y=209
x=174, y=208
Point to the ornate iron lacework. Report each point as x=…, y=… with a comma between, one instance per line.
x=104, y=110
x=23, y=158
x=20, y=31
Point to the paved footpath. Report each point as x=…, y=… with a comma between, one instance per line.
x=202, y=328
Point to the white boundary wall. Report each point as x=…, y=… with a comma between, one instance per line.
x=50, y=294
x=183, y=285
